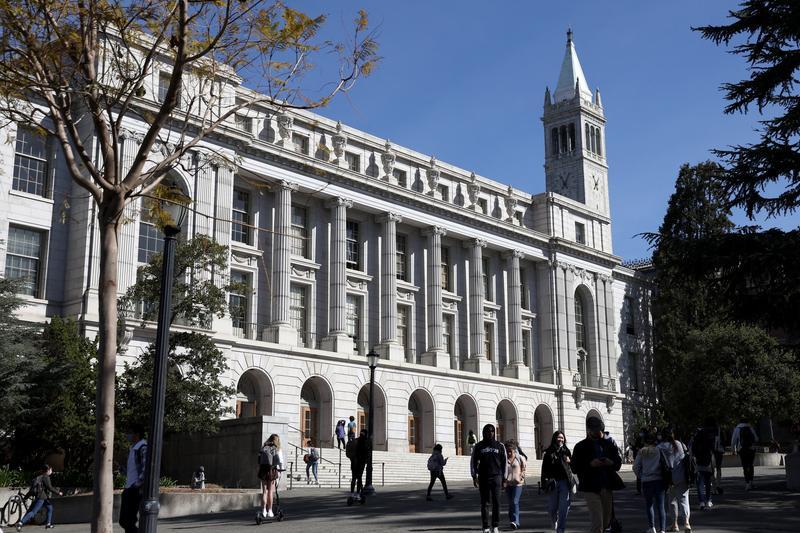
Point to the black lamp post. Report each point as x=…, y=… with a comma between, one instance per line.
x=372, y=359
x=172, y=214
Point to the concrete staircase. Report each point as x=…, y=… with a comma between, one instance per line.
x=390, y=468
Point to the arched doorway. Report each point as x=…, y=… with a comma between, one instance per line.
x=542, y=428
x=465, y=418
x=316, y=412
x=253, y=394
x=379, y=427
x=506, y=416
x=420, y=422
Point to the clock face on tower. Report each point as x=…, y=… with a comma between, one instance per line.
x=562, y=183
x=597, y=192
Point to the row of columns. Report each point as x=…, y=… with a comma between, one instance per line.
x=390, y=348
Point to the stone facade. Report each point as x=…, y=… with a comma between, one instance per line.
x=486, y=304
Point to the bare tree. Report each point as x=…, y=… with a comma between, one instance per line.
x=78, y=70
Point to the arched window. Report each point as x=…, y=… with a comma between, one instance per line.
x=563, y=142
x=580, y=325
x=599, y=147
x=588, y=139
x=554, y=141
x=594, y=140
x=571, y=137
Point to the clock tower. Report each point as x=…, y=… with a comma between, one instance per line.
x=574, y=137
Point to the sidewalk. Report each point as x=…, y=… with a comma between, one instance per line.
x=403, y=508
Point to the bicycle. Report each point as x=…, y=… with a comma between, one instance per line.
x=16, y=507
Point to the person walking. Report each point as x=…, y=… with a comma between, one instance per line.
x=596, y=461
x=340, y=433
x=312, y=462
x=489, y=467
x=42, y=489
x=514, y=481
x=743, y=440
x=351, y=429
x=702, y=451
x=472, y=440
x=134, y=472
x=358, y=452
x=557, y=480
x=677, y=458
x=436, y=464
x=270, y=464
x=649, y=466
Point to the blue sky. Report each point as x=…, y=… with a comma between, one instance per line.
x=464, y=80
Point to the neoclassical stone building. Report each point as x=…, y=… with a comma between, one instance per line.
x=486, y=303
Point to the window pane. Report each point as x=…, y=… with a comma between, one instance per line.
x=444, y=192
x=297, y=312
x=485, y=273
x=299, y=243
x=240, y=230
x=523, y=289
x=353, y=249
x=23, y=258
x=487, y=341
x=402, y=325
x=580, y=328
x=445, y=269
x=353, y=161
x=240, y=299
x=400, y=258
x=30, y=162
x=353, y=314
x=150, y=241
x=447, y=333
x=400, y=176
x=300, y=143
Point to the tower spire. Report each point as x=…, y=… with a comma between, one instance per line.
x=571, y=75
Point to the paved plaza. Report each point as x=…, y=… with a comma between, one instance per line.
x=770, y=508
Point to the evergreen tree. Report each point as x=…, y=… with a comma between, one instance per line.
x=768, y=33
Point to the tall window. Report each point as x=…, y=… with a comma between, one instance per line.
x=580, y=233
x=488, y=340
x=300, y=143
x=297, y=312
x=401, y=258
x=240, y=229
x=447, y=333
x=299, y=232
x=401, y=177
x=353, y=246
x=526, y=347
x=483, y=204
x=402, y=325
x=353, y=161
x=353, y=310
x=633, y=372
x=24, y=259
x=554, y=141
x=630, y=327
x=244, y=123
x=444, y=192
x=571, y=136
x=240, y=299
x=445, y=267
x=150, y=238
x=163, y=87
x=30, y=162
x=580, y=326
x=485, y=273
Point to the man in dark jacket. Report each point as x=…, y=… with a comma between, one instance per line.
x=596, y=460
x=489, y=467
x=357, y=451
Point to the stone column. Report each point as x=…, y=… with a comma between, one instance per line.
x=436, y=354
x=477, y=361
x=611, y=329
x=338, y=340
x=516, y=366
x=281, y=330
x=222, y=174
x=389, y=348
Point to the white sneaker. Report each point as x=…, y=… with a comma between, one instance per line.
x=487, y=530
x=710, y=504
x=269, y=514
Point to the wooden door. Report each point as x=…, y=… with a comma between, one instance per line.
x=309, y=418
x=245, y=409
x=361, y=421
x=413, y=434
x=458, y=429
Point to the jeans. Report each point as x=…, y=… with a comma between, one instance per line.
x=600, y=506
x=35, y=509
x=513, y=493
x=313, y=468
x=704, y=486
x=129, y=509
x=440, y=476
x=490, y=490
x=340, y=442
x=748, y=456
x=558, y=505
x=357, y=471
x=679, y=497
x=654, y=495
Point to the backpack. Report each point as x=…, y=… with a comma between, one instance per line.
x=666, y=470
x=688, y=466
x=37, y=487
x=350, y=449
x=433, y=464
x=268, y=456
x=746, y=437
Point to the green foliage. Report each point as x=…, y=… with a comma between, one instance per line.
x=729, y=371
x=200, y=284
x=167, y=482
x=13, y=477
x=61, y=411
x=194, y=395
x=767, y=33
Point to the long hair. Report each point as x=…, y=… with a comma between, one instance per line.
x=554, y=439
x=275, y=439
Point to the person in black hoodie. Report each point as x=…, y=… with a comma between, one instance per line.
x=556, y=480
x=357, y=451
x=595, y=460
x=489, y=468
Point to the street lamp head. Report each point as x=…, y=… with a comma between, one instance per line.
x=372, y=358
x=173, y=206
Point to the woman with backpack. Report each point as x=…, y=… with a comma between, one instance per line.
x=651, y=467
x=270, y=463
x=676, y=454
x=436, y=464
x=514, y=481
x=557, y=480
x=312, y=463
x=42, y=490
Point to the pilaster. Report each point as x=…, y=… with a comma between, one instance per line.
x=436, y=354
x=280, y=330
x=338, y=340
x=516, y=366
x=477, y=361
x=389, y=348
